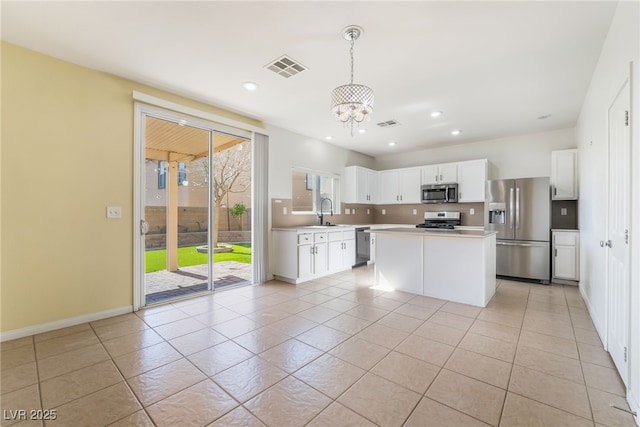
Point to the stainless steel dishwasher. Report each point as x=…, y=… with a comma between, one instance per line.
x=362, y=246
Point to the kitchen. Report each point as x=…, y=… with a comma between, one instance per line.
x=464, y=189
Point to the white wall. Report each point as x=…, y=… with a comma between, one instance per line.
x=287, y=149
x=621, y=47
x=520, y=156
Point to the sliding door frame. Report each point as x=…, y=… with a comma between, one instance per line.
x=148, y=106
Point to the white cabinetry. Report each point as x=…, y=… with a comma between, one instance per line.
x=399, y=186
x=372, y=248
x=566, y=255
x=312, y=255
x=440, y=174
x=301, y=255
x=564, y=175
x=341, y=250
x=471, y=180
x=359, y=185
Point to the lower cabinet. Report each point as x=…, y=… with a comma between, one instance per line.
x=341, y=250
x=372, y=248
x=300, y=255
x=566, y=255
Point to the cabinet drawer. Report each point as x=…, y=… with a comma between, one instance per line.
x=566, y=239
x=335, y=236
x=305, y=238
x=319, y=237
x=349, y=235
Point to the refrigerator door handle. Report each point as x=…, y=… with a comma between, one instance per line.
x=511, y=208
x=517, y=208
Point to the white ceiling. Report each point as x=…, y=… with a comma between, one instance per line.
x=492, y=67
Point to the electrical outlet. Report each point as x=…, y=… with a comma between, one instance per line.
x=284, y=210
x=384, y=211
x=114, y=212
x=472, y=211
x=368, y=211
x=353, y=211
x=347, y=211
x=415, y=211
x=563, y=211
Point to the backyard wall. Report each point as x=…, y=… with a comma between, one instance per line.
x=192, y=226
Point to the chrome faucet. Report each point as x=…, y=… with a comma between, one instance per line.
x=321, y=214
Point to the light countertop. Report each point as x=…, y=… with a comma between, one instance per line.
x=438, y=233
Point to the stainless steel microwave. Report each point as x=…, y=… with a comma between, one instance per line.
x=439, y=193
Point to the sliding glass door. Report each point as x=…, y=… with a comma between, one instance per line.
x=195, y=208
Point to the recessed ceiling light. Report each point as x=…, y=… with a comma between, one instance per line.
x=250, y=85
x=436, y=114
x=456, y=132
x=392, y=144
x=362, y=130
x=328, y=137
x=545, y=116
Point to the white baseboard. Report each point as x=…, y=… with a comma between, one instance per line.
x=596, y=322
x=64, y=323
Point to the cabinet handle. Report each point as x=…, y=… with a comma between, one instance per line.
x=440, y=177
x=397, y=198
x=556, y=252
x=400, y=198
x=436, y=178
x=311, y=250
x=555, y=190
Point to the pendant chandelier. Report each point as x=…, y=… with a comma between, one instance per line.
x=352, y=103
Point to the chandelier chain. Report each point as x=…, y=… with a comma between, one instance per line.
x=351, y=52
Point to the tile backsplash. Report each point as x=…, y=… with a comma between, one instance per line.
x=373, y=214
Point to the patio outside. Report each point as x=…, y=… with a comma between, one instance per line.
x=181, y=193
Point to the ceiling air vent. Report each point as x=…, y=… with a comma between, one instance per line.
x=285, y=66
x=388, y=124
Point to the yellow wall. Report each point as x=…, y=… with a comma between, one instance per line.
x=67, y=153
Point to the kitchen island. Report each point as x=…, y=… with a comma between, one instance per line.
x=456, y=265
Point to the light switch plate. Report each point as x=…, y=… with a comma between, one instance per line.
x=472, y=211
x=347, y=211
x=353, y=211
x=368, y=211
x=563, y=211
x=384, y=211
x=284, y=210
x=415, y=211
x=114, y=212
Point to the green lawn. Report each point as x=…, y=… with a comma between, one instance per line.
x=157, y=260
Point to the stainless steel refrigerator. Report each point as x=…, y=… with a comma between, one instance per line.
x=520, y=211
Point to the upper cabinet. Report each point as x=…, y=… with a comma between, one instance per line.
x=440, y=174
x=471, y=180
x=359, y=185
x=564, y=175
x=399, y=186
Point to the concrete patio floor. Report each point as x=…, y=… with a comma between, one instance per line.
x=163, y=285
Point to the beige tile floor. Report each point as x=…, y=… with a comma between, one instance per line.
x=332, y=352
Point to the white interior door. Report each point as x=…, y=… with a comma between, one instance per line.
x=618, y=230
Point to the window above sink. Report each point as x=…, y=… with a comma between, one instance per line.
x=309, y=187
